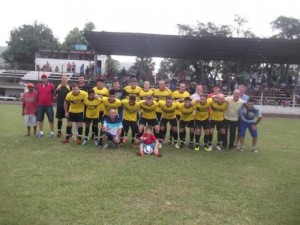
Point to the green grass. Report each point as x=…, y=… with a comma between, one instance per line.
x=46, y=182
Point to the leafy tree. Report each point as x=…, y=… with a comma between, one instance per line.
x=239, y=27
x=112, y=67
x=24, y=41
x=287, y=27
x=144, y=67
x=75, y=36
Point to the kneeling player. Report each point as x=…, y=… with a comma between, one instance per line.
x=148, y=143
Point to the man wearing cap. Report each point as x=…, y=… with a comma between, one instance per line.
x=29, y=108
x=45, y=105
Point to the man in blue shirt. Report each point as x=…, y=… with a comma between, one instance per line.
x=112, y=128
x=250, y=116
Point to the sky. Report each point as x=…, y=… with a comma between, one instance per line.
x=140, y=16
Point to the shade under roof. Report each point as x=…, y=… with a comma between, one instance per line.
x=253, y=50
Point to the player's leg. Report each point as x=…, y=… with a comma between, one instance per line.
x=192, y=133
x=50, y=116
x=87, y=130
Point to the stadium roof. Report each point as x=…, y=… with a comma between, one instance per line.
x=253, y=50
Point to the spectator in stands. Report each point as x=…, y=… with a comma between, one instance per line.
x=82, y=69
x=69, y=66
x=29, y=108
x=73, y=67
x=60, y=94
x=56, y=69
x=45, y=105
x=216, y=91
x=243, y=96
x=87, y=70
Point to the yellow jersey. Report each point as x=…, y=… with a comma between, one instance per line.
x=161, y=95
x=177, y=95
x=187, y=114
x=168, y=112
x=101, y=93
x=144, y=94
x=130, y=111
x=149, y=111
x=132, y=92
x=92, y=108
x=202, y=111
x=217, y=110
x=76, y=101
x=110, y=105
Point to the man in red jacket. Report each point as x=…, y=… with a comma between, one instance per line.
x=45, y=104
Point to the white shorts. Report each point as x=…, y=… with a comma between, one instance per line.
x=30, y=120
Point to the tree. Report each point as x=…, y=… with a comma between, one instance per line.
x=239, y=27
x=144, y=67
x=75, y=36
x=112, y=67
x=287, y=27
x=24, y=41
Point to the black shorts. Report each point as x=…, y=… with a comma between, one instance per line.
x=101, y=113
x=164, y=122
x=75, y=117
x=202, y=123
x=91, y=120
x=149, y=122
x=132, y=124
x=158, y=115
x=189, y=124
x=60, y=112
x=220, y=124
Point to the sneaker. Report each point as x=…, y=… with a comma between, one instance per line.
x=96, y=142
x=218, y=147
x=125, y=139
x=210, y=148
x=191, y=145
x=159, y=145
x=66, y=141
x=105, y=146
x=197, y=148
x=58, y=135
x=40, y=135
x=177, y=146
x=84, y=142
x=241, y=148
x=78, y=141
x=206, y=148
x=254, y=150
x=52, y=135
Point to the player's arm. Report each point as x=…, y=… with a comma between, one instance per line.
x=66, y=107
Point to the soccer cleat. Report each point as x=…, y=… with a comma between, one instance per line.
x=84, y=142
x=197, y=148
x=218, y=147
x=181, y=145
x=241, y=148
x=96, y=142
x=40, y=135
x=177, y=146
x=78, y=141
x=105, y=146
x=159, y=145
x=58, y=135
x=254, y=150
x=65, y=141
x=52, y=135
x=210, y=148
x=191, y=145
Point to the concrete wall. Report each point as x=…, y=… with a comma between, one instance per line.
x=283, y=110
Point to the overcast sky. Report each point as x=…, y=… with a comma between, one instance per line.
x=155, y=16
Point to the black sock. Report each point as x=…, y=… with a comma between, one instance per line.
x=79, y=132
x=59, y=125
x=197, y=138
x=68, y=131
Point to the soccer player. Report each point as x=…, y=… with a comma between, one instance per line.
x=148, y=139
x=29, y=108
x=168, y=109
x=218, y=106
x=60, y=94
x=216, y=91
x=91, y=103
x=186, y=120
x=202, y=121
x=117, y=89
x=45, y=105
x=231, y=115
x=148, y=116
x=250, y=118
x=112, y=129
x=81, y=84
x=132, y=90
x=161, y=94
x=146, y=91
x=110, y=102
x=74, y=109
x=130, y=107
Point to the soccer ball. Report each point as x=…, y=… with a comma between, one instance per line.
x=148, y=150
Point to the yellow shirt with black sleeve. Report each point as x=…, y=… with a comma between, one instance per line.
x=101, y=93
x=76, y=101
x=110, y=105
x=187, y=114
x=168, y=112
x=92, y=108
x=143, y=94
x=161, y=95
x=132, y=92
x=217, y=111
x=130, y=111
x=177, y=95
x=202, y=111
x=149, y=111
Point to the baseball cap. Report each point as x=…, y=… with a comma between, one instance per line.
x=30, y=85
x=44, y=76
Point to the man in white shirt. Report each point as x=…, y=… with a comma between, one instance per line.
x=199, y=91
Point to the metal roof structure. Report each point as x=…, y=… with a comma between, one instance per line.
x=252, y=50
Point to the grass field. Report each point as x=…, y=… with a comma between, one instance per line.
x=46, y=182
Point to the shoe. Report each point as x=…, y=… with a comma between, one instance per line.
x=52, y=135
x=58, y=135
x=84, y=142
x=218, y=147
x=96, y=142
x=181, y=145
x=40, y=135
x=241, y=148
x=210, y=148
x=159, y=145
x=191, y=145
x=177, y=146
x=125, y=139
x=254, y=150
x=169, y=142
x=105, y=146
x=197, y=148
x=78, y=141
x=206, y=148
x=66, y=141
